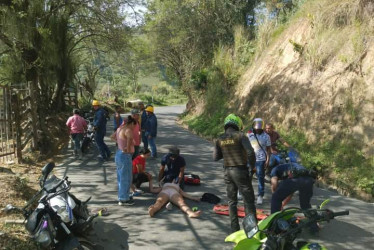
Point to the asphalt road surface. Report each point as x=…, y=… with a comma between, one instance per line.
x=132, y=228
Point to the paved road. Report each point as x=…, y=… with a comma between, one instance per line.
x=132, y=228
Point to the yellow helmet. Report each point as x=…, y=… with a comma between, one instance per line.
x=95, y=103
x=149, y=109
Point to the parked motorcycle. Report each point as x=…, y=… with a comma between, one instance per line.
x=60, y=219
x=279, y=230
x=89, y=136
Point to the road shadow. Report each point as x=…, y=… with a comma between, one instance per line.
x=108, y=234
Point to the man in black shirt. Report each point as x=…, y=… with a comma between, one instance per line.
x=239, y=159
x=286, y=179
x=172, y=167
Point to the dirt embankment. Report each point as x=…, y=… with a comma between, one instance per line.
x=284, y=88
x=318, y=77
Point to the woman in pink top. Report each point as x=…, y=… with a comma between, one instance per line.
x=125, y=141
x=77, y=125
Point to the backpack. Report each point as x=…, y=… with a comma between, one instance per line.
x=211, y=198
x=191, y=179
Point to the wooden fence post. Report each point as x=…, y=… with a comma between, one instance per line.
x=17, y=123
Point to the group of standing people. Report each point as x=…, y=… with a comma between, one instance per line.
x=140, y=126
x=256, y=152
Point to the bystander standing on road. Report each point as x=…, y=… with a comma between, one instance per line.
x=260, y=142
x=77, y=125
x=151, y=130
x=124, y=138
x=137, y=132
x=117, y=119
x=142, y=121
x=239, y=159
x=99, y=124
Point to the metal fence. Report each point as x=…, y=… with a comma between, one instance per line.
x=7, y=133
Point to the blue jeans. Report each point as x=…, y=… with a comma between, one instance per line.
x=77, y=141
x=124, y=174
x=153, y=147
x=101, y=146
x=260, y=172
x=274, y=160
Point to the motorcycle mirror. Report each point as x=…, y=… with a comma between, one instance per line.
x=47, y=169
x=324, y=203
x=250, y=225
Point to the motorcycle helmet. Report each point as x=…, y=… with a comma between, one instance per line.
x=258, y=123
x=235, y=120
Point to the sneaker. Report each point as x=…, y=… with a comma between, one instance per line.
x=139, y=191
x=267, y=179
x=259, y=200
x=240, y=196
x=136, y=193
x=169, y=206
x=126, y=203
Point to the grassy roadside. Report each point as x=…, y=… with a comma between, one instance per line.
x=19, y=184
x=341, y=166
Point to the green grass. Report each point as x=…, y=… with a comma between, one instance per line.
x=208, y=126
x=341, y=156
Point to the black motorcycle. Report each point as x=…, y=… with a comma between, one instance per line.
x=89, y=136
x=47, y=224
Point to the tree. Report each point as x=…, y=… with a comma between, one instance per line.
x=49, y=36
x=185, y=34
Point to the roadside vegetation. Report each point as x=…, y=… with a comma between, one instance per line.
x=343, y=161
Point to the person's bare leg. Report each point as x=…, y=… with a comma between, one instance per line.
x=133, y=188
x=178, y=200
x=161, y=200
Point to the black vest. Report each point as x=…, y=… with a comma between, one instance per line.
x=234, y=154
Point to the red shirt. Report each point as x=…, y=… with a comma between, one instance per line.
x=139, y=160
x=274, y=136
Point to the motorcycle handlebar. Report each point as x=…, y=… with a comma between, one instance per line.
x=53, y=190
x=341, y=213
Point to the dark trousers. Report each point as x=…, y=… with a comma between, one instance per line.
x=136, y=152
x=145, y=140
x=101, y=146
x=286, y=187
x=238, y=178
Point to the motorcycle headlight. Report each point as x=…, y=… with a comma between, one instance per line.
x=44, y=238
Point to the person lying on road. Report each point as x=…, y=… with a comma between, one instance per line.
x=173, y=193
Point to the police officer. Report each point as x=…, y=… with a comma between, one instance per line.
x=237, y=153
x=294, y=177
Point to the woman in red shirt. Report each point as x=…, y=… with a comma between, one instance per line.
x=138, y=172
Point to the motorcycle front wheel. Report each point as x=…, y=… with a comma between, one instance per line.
x=85, y=245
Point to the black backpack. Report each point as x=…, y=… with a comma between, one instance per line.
x=211, y=198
